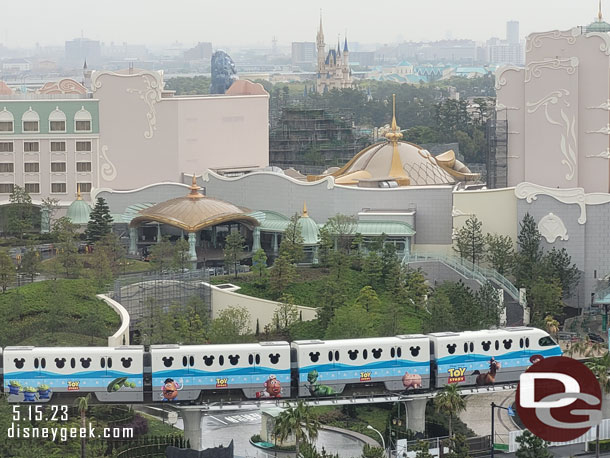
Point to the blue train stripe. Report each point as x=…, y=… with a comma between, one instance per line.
x=403, y=364
x=76, y=375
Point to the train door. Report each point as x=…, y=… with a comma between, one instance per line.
x=40, y=364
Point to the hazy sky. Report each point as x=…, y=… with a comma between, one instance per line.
x=254, y=23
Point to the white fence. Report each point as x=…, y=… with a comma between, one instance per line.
x=604, y=433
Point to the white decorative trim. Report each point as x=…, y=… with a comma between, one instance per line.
x=534, y=69
x=513, y=157
x=151, y=96
x=500, y=80
x=531, y=191
x=568, y=143
x=603, y=130
x=514, y=132
x=534, y=40
x=96, y=191
x=501, y=106
x=603, y=155
x=603, y=106
x=605, y=46
x=455, y=212
x=551, y=227
x=108, y=169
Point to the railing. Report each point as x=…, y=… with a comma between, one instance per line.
x=467, y=269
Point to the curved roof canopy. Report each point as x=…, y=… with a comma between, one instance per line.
x=79, y=211
x=193, y=212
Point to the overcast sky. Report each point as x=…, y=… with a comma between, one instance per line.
x=254, y=23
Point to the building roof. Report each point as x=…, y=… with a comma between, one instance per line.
x=79, y=211
x=194, y=212
x=309, y=228
x=390, y=228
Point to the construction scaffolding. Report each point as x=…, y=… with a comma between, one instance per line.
x=497, y=156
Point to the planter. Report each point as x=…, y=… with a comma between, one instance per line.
x=29, y=396
x=43, y=394
x=13, y=389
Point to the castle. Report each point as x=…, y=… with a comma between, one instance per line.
x=333, y=71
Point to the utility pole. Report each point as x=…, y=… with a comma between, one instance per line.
x=511, y=413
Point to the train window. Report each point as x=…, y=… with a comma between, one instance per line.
x=191, y=361
x=36, y=363
x=527, y=342
x=365, y=354
x=336, y=356
x=184, y=361
x=399, y=352
x=72, y=363
x=257, y=358
x=497, y=345
x=330, y=355
x=465, y=347
x=43, y=363
x=103, y=362
x=250, y=360
x=221, y=360
x=546, y=342
x=109, y=363
x=471, y=347
x=521, y=342
x=392, y=352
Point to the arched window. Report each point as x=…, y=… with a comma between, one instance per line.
x=30, y=121
x=57, y=121
x=82, y=121
x=6, y=121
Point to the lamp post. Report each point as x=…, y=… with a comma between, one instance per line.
x=380, y=435
x=493, y=407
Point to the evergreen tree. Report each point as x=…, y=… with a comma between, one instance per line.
x=530, y=252
x=491, y=307
x=558, y=264
x=20, y=212
x=292, y=240
x=100, y=221
x=283, y=274
x=180, y=257
x=234, y=248
x=285, y=313
x=162, y=254
x=67, y=247
x=531, y=446
x=470, y=243
x=8, y=273
x=500, y=253
x=30, y=263
x=259, y=266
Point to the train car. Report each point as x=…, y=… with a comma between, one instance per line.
x=37, y=374
x=184, y=372
x=489, y=356
x=325, y=368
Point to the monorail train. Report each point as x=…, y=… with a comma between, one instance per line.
x=302, y=369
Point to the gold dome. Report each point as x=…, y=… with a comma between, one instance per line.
x=193, y=212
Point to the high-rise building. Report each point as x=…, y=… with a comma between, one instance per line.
x=303, y=53
x=333, y=71
x=512, y=32
x=83, y=49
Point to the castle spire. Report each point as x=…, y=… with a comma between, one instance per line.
x=345, y=49
x=599, y=12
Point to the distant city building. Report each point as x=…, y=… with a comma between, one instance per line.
x=303, y=53
x=512, y=32
x=201, y=51
x=362, y=58
x=333, y=70
x=454, y=51
x=509, y=51
x=83, y=49
x=16, y=65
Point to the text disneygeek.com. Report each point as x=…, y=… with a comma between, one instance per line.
x=63, y=433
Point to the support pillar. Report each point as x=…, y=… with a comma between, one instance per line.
x=416, y=415
x=256, y=240
x=133, y=240
x=158, y=233
x=192, y=250
x=315, y=255
x=275, y=247
x=192, y=427
x=214, y=236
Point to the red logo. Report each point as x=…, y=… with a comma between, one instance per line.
x=559, y=399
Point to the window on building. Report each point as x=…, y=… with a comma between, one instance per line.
x=6, y=121
x=83, y=126
x=6, y=126
x=58, y=146
x=84, y=187
x=30, y=126
x=58, y=166
x=58, y=188
x=30, y=147
x=83, y=166
x=32, y=188
x=7, y=167
x=6, y=188
x=30, y=167
x=83, y=146
x=6, y=147
x=58, y=126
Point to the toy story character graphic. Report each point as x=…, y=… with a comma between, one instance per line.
x=170, y=390
x=411, y=381
x=316, y=388
x=535, y=358
x=488, y=378
x=273, y=388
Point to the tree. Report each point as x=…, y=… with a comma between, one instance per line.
x=451, y=402
x=20, y=212
x=490, y=305
x=421, y=449
x=372, y=268
x=8, y=273
x=350, y=322
x=110, y=247
x=83, y=405
x=285, y=313
x=180, y=257
x=47, y=211
x=259, y=266
x=67, y=250
x=234, y=248
x=441, y=314
x=370, y=451
x=100, y=221
x=558, y=264
x=530, y=252
x=499, y=253
x=342, y=229
x=283, y=274
x=162, y=254
x=292, y=240
x=30, y=263
x=470, y=243
x=368, y=299
x=531, y=446
x=458, y=447
x=544, y=298
x=551, y=325
x=231, y=326
x=300, y=422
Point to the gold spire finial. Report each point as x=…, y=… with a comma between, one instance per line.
x=305, y=214
x=393, y=112
x=194, y=194
x=599, y=12
x=394, y=135
x=78, y=196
